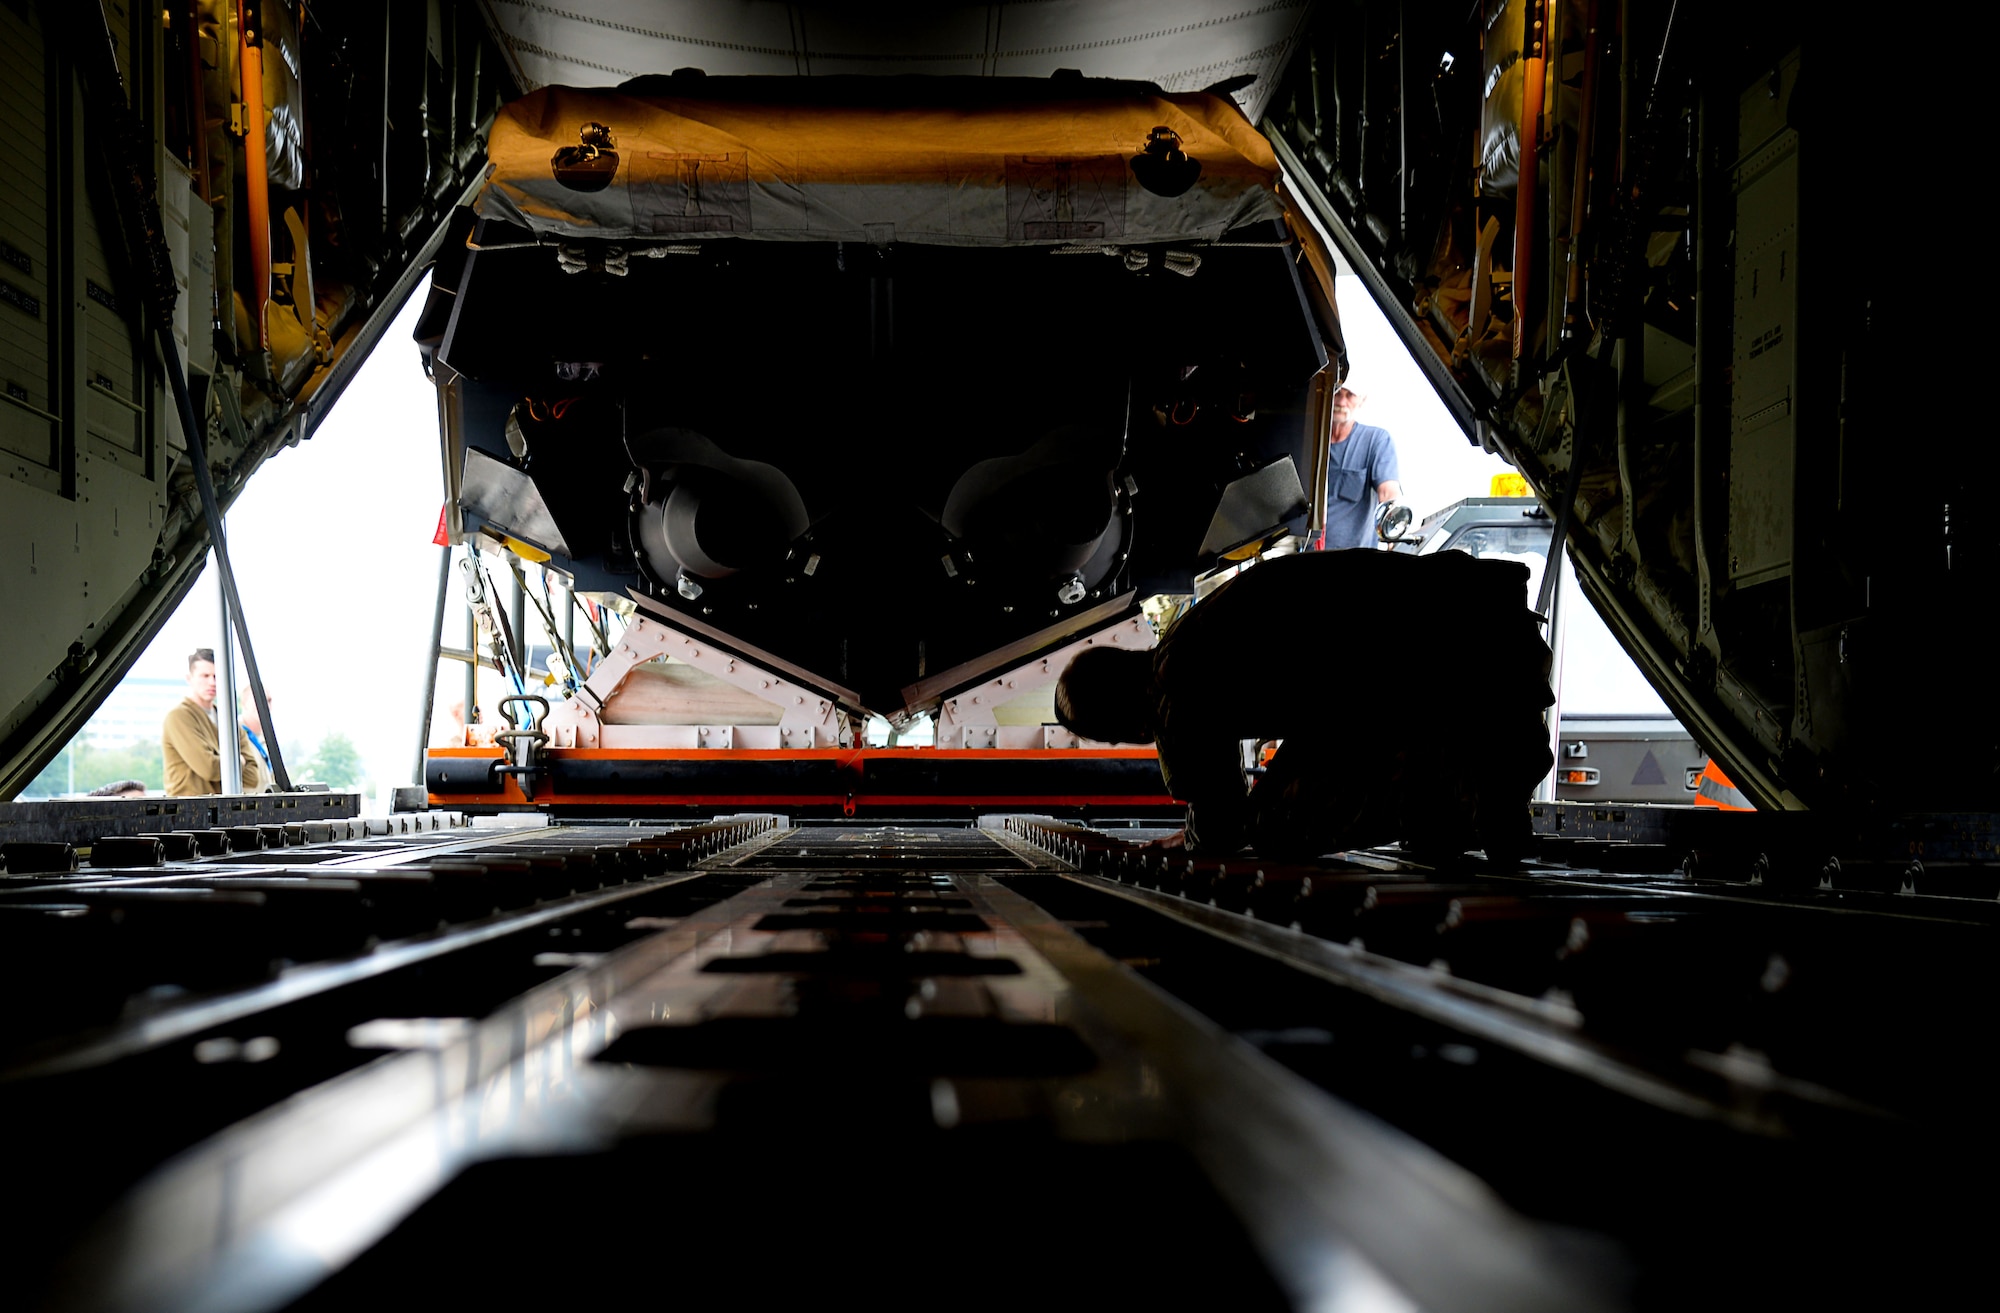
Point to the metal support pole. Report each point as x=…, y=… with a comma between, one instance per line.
x=569, y=632
x=1559, y=539
x=197, y=450
x=517, y=611
x=431, y=668
x=1558, y=618
x=1549, y=606
x=472, y=666
x=226, y=713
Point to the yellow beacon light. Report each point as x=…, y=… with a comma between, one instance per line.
x=1510, y=484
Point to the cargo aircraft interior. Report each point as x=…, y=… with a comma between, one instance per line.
x=813, y=367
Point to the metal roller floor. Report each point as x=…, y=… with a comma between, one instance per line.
x=1022, y=1063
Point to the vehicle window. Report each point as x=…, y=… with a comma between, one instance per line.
x=1526, y=539
x=1526, y=542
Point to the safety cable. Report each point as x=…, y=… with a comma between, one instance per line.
x=601, y=644
x=545, y=608
x=572, y=670
x=479, y=593
x=572, y=677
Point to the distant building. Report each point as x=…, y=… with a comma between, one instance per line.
x=134, y=711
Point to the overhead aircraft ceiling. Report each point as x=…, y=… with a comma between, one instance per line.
x=1182, y=45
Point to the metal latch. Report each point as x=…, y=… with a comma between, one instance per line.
x=523, y=744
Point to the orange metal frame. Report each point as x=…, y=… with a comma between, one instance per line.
x=851, y=764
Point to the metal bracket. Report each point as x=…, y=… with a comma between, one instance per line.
x=976, y=707
x=523, y=744
x=807, y=718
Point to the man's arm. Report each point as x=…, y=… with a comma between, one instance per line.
x=1205, y=772
x=1387, y=472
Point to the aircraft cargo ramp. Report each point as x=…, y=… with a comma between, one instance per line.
x=1027, y=1061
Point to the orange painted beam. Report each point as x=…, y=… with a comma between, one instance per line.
x=851, y=761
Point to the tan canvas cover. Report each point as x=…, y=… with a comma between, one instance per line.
x=1057, y=171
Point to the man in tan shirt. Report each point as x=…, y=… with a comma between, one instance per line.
x=189, y=741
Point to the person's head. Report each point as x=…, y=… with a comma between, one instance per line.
x=201, y=676
x=1105, y=694
x=1348, y=399
x=119, y=789
x=246, y=708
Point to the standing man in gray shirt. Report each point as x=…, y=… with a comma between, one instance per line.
x=1361, y=473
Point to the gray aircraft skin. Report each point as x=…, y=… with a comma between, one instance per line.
x=1689, y=268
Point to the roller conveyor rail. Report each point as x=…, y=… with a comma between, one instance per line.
x=1030, y=1061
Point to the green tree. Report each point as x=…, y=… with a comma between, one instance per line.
x=336, y=763
x=54, y=778
x=138, y=760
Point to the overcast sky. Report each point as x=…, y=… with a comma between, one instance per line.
x=332, y=548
